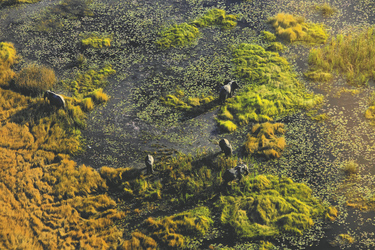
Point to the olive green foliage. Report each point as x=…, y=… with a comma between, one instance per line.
x=268, y=36
x=265, y=140
x=8, y=57
x=326, y=9
x=96, y=41
x=349, y=167
x=216, y=17
x=12, y=2
x=183, y=103
x=271, y=89
x=266, y=206
x=178, y=36
x=90, y=81
x=276, y=46
x=34, y=80
x=292, y=29
x=350, y=55
x=174, y=231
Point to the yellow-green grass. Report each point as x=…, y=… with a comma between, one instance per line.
x=184, y=103
x=217, y=17
x=351, y=55
x=178, y=35
x=270, y=89
x=276, y=46
x=8, y=57
x=268, y=206
x=292, y=28
x=266, y=140
x=268, y=36
x=34, y=80
x=89, y=83
x=326, y=9
x=96, y=41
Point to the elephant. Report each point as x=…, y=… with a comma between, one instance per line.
x=149, y=161
x=227, y=91
x=225, y=147
x=54, y=99
x=235, y=173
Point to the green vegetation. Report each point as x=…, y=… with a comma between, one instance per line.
x=183, y=103
x=216, y=17
x=326, y=9
x=276, y=46
x=268, y=36
x=267, y=206
x=350, y=167
x=178, y=36
x=34, y=80
x=95, y=41
x=264, y=140
x=350, y=55
x=293, y=29
x=272, y=89
x=13, y=2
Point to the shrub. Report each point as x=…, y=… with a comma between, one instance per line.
x=216, y=17
x=178, y=36
x=8, y=57
x=292, y=28
x=34, y=80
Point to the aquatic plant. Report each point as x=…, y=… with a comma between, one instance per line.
x=350, y=55
x=276, y=46
x=271, y=89
x=265, y=141
x=326, y=9
x=96, y=41
x=34, y=80
x=268, y=36
x=8, y=57
x=349, y=167
x=216, y=17
x=184, y=103
x=268, y=206
x=178, y=35
x=293, y=28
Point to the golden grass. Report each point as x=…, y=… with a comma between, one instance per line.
x=46, y=200
x=34, y=80
x=264, y=140
x=8, y=57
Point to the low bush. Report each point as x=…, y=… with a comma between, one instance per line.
x=34, y=80
x=8, y=57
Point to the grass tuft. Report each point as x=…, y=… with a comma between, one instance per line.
x=216, y=17
x=8, y=57
x=178, y=36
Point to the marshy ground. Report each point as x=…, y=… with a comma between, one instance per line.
x=329, y=144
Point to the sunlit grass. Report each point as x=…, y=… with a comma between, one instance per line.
x=351, y=55
x=178, y=35
x=8, y=57
x=216, y=17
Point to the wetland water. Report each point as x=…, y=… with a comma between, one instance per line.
x=133, y=122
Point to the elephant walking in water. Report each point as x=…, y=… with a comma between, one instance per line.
x=149, y=161
x=227, y=91
x=225, y=147
x=235, y=173
x=54, y=99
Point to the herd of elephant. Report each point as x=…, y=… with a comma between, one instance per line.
x=226, y=91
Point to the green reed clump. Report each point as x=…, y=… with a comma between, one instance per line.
x=268, y=206
x=174, y=232
x=34, y=80
x=178, y=35
x=292, y=29
x=271, y=89
x=266, y=140
x=350, y=55
x=184, y=103
x=326, y=9
x=96, y=41
x=216, y=17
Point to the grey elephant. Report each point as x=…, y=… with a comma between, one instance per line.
x=55, y=99
x=227, y=91
x=225, y=147
x=149, y=161
x=235, y=173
